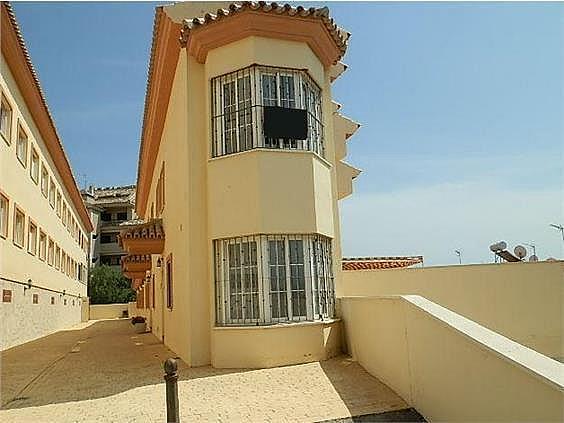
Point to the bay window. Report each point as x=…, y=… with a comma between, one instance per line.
x=246, y=103
x=267, y=279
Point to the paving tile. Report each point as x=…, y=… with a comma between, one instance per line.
x=110, y=378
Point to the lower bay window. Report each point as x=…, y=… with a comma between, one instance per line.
x=268, y=279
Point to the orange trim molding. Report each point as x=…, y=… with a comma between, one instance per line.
x=17, y=57
x=162, y=68
x=248, y=23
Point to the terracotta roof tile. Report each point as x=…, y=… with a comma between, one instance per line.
x=340, y=37
x=378, y=263
x=148, y=230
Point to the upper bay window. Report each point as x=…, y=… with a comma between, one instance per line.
x=266, y=279
x=266, y=107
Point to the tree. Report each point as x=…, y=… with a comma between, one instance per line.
x=107, y=285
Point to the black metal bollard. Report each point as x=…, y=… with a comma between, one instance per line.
x=171, y=379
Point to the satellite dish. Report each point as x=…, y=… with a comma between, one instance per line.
x=520, y=251
x=533, y=258
x=498, y=246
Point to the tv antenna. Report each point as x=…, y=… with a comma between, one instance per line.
x=560, y=228
x=459, y=254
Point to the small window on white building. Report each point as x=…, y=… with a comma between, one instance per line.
x=21, y=146
x=32, y=238
x=52, y=193
x=57, y=257
x=34, y=166
x=4, y=213
x=19, y=227
x=42, y=245
x=44, y=180
x=5, y=119
x=59, y=203
x=51, y=252
x=266, y=279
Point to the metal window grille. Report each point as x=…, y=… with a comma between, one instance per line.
x=238, y=99
x=269, y=279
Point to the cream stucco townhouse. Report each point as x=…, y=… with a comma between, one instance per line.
x=237, y=261
x=44, y=226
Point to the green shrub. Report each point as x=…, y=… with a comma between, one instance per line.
x=107, y=285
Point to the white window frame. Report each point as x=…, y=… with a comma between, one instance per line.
x=307, y=261
x=52, y=192
x=4, y=216
x=34, y=165
x=22, y=131
x=32, y=247
x=44, y=180
x=226, y=287
x=6, y=132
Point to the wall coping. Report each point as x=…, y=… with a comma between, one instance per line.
x=259, y=150
x=460, y=266
x=538, y=365
x=110, y=305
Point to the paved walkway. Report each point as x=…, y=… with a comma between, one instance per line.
x=105, y=372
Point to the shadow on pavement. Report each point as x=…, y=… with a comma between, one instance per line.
x=103, y=359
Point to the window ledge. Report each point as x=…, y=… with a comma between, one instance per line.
x=326, y=162
x=279, y=325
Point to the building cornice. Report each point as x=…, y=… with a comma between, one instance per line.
x=17, y=57
x=311, y=26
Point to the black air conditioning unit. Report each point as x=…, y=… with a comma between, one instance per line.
x=282, y=122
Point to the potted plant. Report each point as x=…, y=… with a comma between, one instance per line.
x=139, y=324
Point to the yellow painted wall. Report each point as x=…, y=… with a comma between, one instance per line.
x=207, y=198
x=265, y=191
x=447, y=368
x=108, y=311
x=523, y=301
x=277, y=345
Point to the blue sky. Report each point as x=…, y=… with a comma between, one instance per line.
x=461, y=105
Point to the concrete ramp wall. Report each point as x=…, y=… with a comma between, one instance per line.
x=523, y=301
x=448, y=367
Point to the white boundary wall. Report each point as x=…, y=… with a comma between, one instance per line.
x=22, y=321
x=523, y=301
x=448, y=367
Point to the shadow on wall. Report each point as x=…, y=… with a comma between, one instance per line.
x=104, y=359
